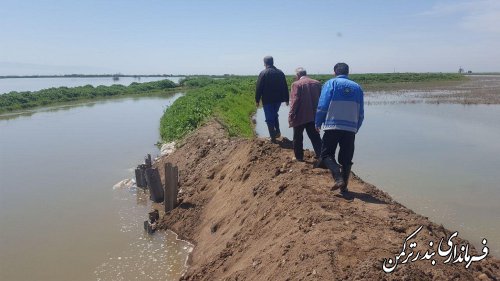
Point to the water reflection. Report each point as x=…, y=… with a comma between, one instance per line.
x=71, y=105
x=160, y=256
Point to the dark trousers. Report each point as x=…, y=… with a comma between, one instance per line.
x=345, y=141
x=298, y=139
x=271, y=114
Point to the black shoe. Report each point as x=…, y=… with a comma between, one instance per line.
x=319, y=164
x=346, y=171
x=277, y=129
x=272, y=133
x=344, y=192
x=335, y=171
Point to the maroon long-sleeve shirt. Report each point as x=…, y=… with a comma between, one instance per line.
x=304, y=97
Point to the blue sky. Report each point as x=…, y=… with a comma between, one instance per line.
x=217, y=37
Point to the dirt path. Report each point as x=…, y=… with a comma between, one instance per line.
x=255, y=214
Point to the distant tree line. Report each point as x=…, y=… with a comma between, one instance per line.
x=89, y=75
x=23, y=100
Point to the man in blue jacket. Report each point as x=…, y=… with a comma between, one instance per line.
x=341, y=113
x=273, y=90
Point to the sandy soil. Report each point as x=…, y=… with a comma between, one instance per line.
x=255, y=214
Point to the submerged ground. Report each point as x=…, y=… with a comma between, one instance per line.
x=477, y=89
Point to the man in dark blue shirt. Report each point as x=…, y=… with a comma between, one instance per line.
x=273, y=90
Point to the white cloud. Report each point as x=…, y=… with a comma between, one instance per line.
x=486, y=21
x=477, y=15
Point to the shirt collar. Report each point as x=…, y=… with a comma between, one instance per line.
x=341, y=76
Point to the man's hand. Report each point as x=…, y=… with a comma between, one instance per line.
x=318, y=129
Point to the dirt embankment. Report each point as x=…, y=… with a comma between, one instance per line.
x=254, y=214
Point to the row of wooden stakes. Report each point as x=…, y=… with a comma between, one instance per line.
x=147, y=177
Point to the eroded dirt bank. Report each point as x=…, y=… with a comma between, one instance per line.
x=254, y=214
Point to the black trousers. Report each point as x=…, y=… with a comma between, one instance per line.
x=345, y=141
x=298, y=139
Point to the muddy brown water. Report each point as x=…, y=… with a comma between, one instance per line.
x=60, y=218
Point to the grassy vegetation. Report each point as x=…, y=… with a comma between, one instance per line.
x=23, y=100
x=231, y=100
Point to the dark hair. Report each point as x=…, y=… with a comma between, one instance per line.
x=341, y=69
x=268, y=60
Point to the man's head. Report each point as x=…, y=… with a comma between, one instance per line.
x=341, y=69
x=268, y=61
x=300, y=71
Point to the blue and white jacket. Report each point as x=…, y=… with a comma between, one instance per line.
x=340, y=105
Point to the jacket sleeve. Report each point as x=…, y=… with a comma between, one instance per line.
x=361, y=110
x=294, y=102
x=286, y=97
x=324, y=103
x=259, y=88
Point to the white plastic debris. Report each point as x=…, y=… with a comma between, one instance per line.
x=167, y=148
x=126, y=183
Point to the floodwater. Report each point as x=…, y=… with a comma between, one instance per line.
x=60, y=217
x=440, y=160
x=35, y=84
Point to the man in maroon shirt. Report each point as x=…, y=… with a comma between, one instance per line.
x=304, y=98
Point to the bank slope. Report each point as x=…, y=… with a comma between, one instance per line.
x=254, y=214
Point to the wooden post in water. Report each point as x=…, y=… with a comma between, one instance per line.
x=171, y=189
x=140, y=176
x=154, y=185
x=147, y=161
